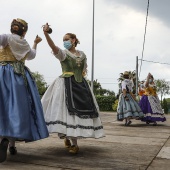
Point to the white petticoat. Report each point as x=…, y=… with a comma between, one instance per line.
x=58, y=118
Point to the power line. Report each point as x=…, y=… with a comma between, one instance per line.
x=108, y=83
x=155, y=62
x=144, y=37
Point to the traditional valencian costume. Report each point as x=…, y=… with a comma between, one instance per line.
x=128, y=108
x=150, y=104
x=21, y=113
x=141, y=89
x=69, y=105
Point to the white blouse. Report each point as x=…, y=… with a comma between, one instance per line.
x=128, y=83
x=19, y=46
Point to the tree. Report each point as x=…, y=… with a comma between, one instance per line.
x=40, y=82
x=98, y=90
x=163, y=87
x=165, y=106
x=105, y=98
x=96, y=87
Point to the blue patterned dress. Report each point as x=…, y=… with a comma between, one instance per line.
x=128, y=108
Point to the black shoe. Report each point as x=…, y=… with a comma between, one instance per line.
x=128, y=123
x=13, y=150
x=3, y=149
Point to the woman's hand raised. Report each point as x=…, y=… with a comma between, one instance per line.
x=37, y=39
x=46, y=28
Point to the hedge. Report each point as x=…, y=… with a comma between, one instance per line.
x=105, y=102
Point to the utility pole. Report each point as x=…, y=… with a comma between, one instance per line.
x=92, y=69
x=136, y=76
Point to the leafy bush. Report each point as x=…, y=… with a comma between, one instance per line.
x=115, y=104
x=165, y=106
x=105, y=102
x=40, y=82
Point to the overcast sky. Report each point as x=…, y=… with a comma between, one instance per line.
x=119, y=33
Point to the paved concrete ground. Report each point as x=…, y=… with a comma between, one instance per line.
x=137, y=147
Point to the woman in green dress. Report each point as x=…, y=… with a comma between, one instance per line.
x=69, y=105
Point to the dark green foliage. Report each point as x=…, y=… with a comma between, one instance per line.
x=40, y=82
x=165, y=106
x=98, y=90
x=105, y=102
x=168, y=104
x=105, y=98
x=163, y=87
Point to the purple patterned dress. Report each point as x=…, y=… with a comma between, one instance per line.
x=151, y=106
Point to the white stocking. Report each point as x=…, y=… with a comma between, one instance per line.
x=74, y=141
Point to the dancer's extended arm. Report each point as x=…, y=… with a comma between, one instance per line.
x=50, y=42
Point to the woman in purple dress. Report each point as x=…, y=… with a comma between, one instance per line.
x=150, y=103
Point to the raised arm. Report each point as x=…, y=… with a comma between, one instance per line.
x=31, y=55
x=36, y=41
x=147, y=80
x=50, y=42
